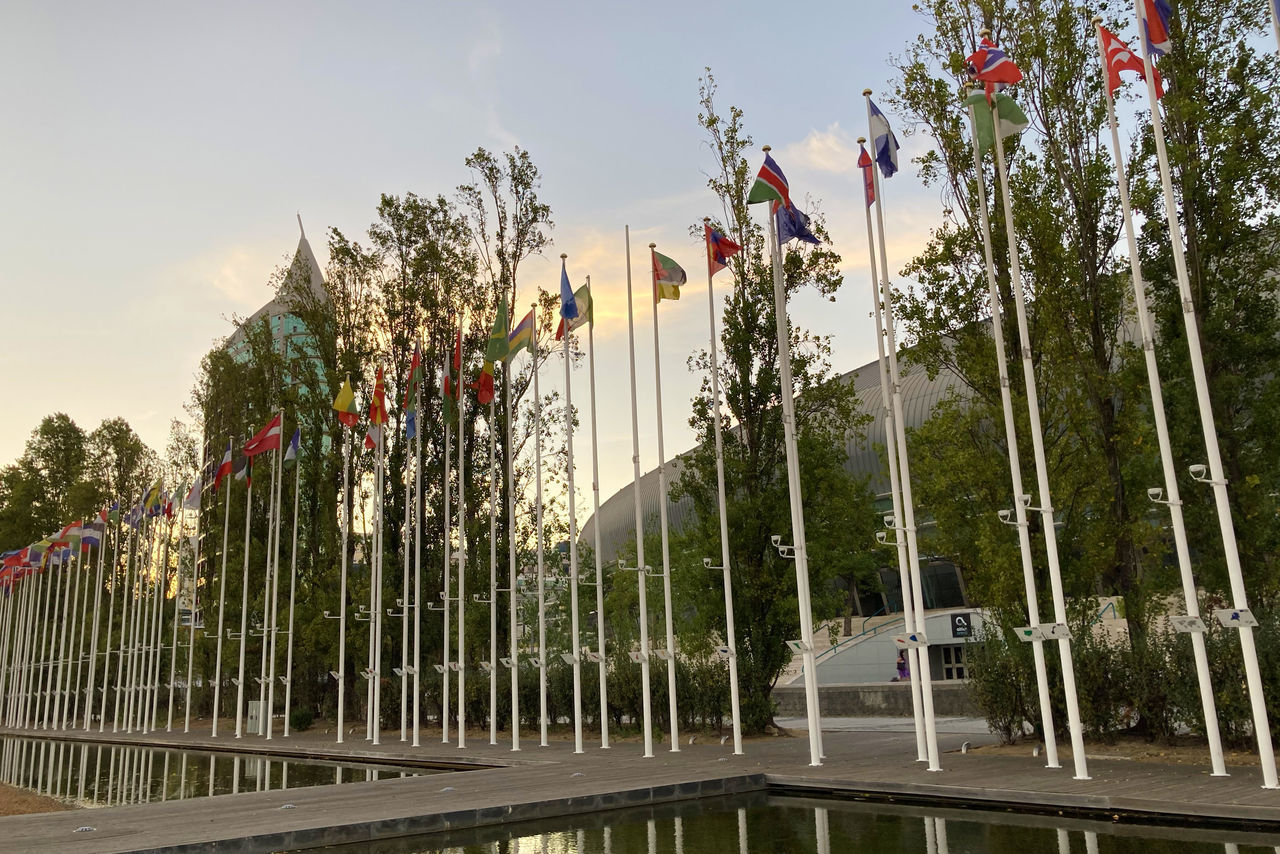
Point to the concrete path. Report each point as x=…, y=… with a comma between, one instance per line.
x=871, y=760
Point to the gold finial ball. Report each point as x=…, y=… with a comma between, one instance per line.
x=706, y=219
x=652, y=245
x=866, y=91
x=563, y=256
x=766, y=148
x=984, y=32
x=861, y=140
x=1096, y=19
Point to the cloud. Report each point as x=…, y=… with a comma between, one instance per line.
x=832, y=150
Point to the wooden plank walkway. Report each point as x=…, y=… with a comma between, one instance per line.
x=541, y=783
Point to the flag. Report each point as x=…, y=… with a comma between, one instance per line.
x=865, y=163
x=451, y=393
x=244, y=470
x=295, y=444
x=668, y=276
x=521, y=338
x=151, y=501
x=410, y=424
x=989, y=65
x=192, y=501
x=494, y=351
x=582, y=296
x=770, y=185
x=1155, y=25
x=345, y=404
x=167, y=504
x=70, y=536
x=266, y=439
x=372, y=437
x=1012, y=120
x=378, y=406
x=224, y=469
x=415, y=378
x=793, y=224
x=719, y=249
x=883, y=142
x=568, y=306
x=1121, y=58
x=91, y=534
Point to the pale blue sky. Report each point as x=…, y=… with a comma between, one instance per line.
x=155, y=155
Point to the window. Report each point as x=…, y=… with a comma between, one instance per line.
x=953, y=662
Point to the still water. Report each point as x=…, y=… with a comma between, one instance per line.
x=763, y=824
x=97, y=775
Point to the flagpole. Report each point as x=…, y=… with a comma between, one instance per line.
x=157, y=657
x=1275, y=21
x=126, y=594
x=722, y=504
x=462, y=558
x=573, y=537
x=538, y=535
x=244, y=600
x=71, y=712
x=493, y=581
x=341, y=677
x=264, y=718
x=1174, y=499
x=1042, y=467
x=173, y=646
x=376, y=622
x=222, y=606
x=139, y=606
x=512, y=593
x=404, y=598
x=268, y=712
x=1217, y=477
x=662, y=520
x=65, y=612
x=191, y=629
x=293, y=586
x=906, y=523
x=800, y=552
x=635, y=494
x=1015, y=462
x=417, y=577
x=595, y=498
x=448, y=559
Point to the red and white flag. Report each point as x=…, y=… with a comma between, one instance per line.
x=267, y=439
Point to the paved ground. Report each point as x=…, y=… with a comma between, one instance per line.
x=875, y=759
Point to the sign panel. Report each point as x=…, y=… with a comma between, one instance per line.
x=1236, y=618
x=1186, y=625
x=914, y=640
x=1027, y=634
x=962, y=625
x=1057, y=631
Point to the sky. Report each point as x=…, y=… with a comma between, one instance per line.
x=156, y=157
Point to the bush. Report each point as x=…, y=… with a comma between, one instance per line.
x=301, y=719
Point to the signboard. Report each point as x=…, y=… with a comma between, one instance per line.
x=914, y=640
x=1186, y=625
x=1057, y=631
x=1236, y=618
x=1027, y=634
x=635, y=655
x=962, y=625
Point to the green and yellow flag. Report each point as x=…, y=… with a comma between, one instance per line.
x=345, y=404
x=668, y=276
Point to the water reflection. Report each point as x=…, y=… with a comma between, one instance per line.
x=97, y=775
x=783, y=825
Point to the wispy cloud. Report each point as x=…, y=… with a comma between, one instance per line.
x=832, y=150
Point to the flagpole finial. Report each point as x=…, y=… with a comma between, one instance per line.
x=766, y=148
x=985, y=32
x=1096, y=19
x=861, y=140
x=563, y=256
x=653, y=246
x=707, y=220
x=866, y=92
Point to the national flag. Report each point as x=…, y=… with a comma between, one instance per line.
x=719, y=249
x=378, y=405
x=494, y=351
x=1155, y=25
x=453, y=391
x=415, y=378
x=1012, y=120
x=793, y=224
x=1121, y=58
x=135, y=515
x=192, y=500
x=71, y=535
x=865, y=163
x=411, y=424
x=166, y=502
x=152, y=499
x=989, y=65
x=295, y=445
x=668, y=276
x=244, y=470
x=91, y=534
x=582, y=296
x=224, y=468
x=521, y=338
x=373, y=437
x=266, y=439
x=770, y=185
x=568, y=306
x=883, y=142
x=345, y=404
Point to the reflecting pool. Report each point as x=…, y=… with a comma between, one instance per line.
x=763, y=824
x=97, y=775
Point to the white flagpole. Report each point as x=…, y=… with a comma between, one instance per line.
x=126, y=596
x=341, y=677
x=80, y=610
x=222, y=608
x=417, y=576
x=375, y=719
x=493, y=579
x=513, y=595
x=1174, y=499
x=157, y=657
x=573, y=539
x=191, y=629
x=1275, y=20
x=244, y=601
x=404, y=596
x=448, y=559
x=293, y=587
x=731, y=635
x=1217, y=477
x=635, y=494
x=662, y=520
x=538, y=535
x=595, y=497
x=264, y=719
x=462, y=559
x=891, y=453
x=268, y=711
x=65, y=583
x=800, y=552
x=906, y=523
x=139, y=608
x=1015, y=462
x=1042, y=466
x=173, y=646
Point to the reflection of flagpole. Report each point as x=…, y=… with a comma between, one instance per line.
x=575, y=645
x=293, y=586
x=662, y=519
x=1217, y=478
x=595, y=493
x=513, y=596
x=1042, y=466
x=447, y=524
x=800, y=554
x=462, y=557
x=906, y=523
x=1173, y=500
x=538, y=535
x=222, y=609
x=1015, y=463
x=730, y=634
x=891, y=454
x=635, y=494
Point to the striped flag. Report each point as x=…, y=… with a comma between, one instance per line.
x=266, y=439
x=770, y=185
x=668, y=276
x=224, y=468
x=1155, y=25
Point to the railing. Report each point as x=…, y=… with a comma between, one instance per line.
x=1114, y=613
x=862, y=635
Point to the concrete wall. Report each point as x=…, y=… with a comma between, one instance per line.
x=874, y=659
x=884, y=699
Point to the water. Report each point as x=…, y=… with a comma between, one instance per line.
x=763, y=824
x=97, y=775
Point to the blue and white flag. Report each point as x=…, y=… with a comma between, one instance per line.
x=884, y=142
x=411, y=424
x=568, y=304
x=291, y=455
x=793, y=224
